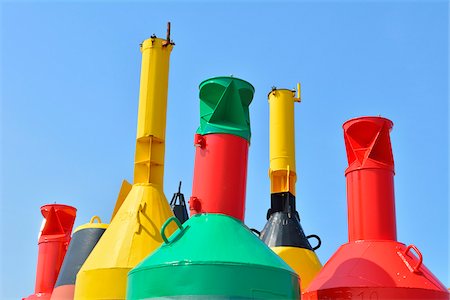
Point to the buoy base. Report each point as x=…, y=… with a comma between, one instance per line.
x=63, y=292
x=102, y=284
x=40, y=296
x=375, y=270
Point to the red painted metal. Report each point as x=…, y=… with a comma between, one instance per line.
x=53, y=243
x=220, y=175
x=370, y=179
x=373, y=265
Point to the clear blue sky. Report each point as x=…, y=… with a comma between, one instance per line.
x=70, y=82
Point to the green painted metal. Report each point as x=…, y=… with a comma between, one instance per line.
x=224, y=103
x=213, y=256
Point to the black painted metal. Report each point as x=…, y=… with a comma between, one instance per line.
x=179, y=209
x=283, y=226
x=81, y=245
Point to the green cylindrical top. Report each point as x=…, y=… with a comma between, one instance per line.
x=224, y=103
x=213, y=256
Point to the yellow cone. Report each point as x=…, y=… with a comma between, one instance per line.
x=133, y=234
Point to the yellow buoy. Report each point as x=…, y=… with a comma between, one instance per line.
x=283, y=232
x=134, y=231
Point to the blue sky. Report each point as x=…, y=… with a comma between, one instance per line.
x=69, y=95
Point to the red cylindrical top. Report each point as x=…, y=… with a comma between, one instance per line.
x=370, y=179
x=53, y=242
x=220, y=175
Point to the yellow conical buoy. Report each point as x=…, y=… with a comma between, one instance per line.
x=134, y=231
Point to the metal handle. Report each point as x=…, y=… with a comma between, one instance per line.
x=319, y=241
x=95, y=218
x=163, y=228
x=257, y=232
x=419, y=254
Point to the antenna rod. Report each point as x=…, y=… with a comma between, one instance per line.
x=168, y=32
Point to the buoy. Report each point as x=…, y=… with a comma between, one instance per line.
x=84, y=239
x=134, y=230
x=53, y=242
x=373, y=264
x=214, y=255
x=283, y=232
x=221, y=153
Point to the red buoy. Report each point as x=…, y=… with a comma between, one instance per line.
x=373, y=265
x=53, y=243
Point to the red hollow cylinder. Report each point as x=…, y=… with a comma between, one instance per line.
x=53, y=243
x=220, y=175
x=370, y=179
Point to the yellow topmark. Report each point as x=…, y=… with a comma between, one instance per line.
x=134, y=231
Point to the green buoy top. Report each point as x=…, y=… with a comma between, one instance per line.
x=224, y=106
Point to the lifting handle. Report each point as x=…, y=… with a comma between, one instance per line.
x=163, y=229
x=419, y=254
x=255, y=231
x=95, y=218
x=319, y=241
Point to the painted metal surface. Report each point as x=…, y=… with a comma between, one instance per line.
x=283, y=231
x=302, y=260
x=125, y=189
x=131, y=236
x=370, y=179
x=134, y=230
x=222, y=141
x=151, y=127
x=375, y=270
x=373, y=265
x=213, y=256
x=220, y=175
x=224, y=103
x=178, y=206
x=282, y=171
x=84, y=239
x=53, y=242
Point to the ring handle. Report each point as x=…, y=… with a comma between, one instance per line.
x=95, y=218
x=255, y=231
x=419, y=254
x=163, y=228
x=319, y=241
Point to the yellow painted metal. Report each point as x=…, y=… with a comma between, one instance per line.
x=92, y=224
x=283, y=174
x=134, y=231
x=132, y=235
x=282, y=171
x=151, y=129
x=304, y=262
x=125, y=188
